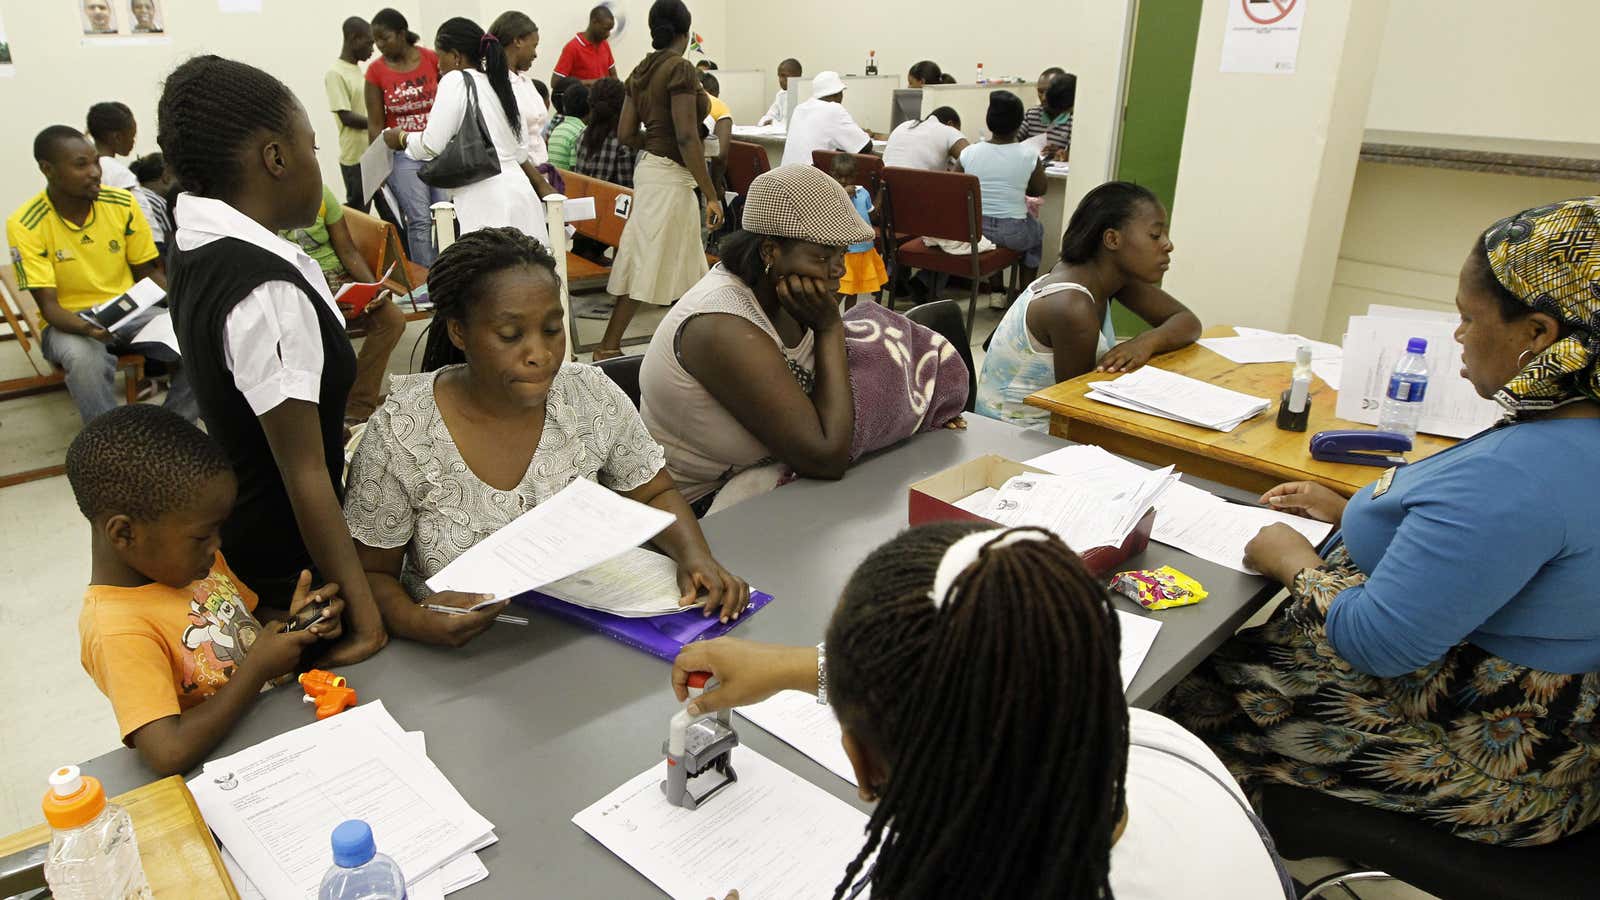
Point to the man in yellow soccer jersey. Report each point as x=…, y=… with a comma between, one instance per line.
x=77, y=244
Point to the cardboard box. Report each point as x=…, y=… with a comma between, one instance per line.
x=933, y=500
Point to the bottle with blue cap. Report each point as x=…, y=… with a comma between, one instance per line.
x=359, y=871
x=1408, y=387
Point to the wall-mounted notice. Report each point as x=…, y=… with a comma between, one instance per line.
x=124, y=22
x=1263, y=36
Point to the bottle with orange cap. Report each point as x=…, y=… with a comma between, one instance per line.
x=93, y=853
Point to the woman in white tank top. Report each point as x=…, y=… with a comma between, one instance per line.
x=1116, y=247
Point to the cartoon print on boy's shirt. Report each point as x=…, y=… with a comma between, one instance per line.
x=219, y=635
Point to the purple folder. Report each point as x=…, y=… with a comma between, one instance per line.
x=659, y=636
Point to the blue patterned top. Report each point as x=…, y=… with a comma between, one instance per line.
x=1015, y=365
x=863, y=202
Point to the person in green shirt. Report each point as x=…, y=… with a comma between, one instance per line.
x=568, y=127
x=346, y=89
x=328, y=241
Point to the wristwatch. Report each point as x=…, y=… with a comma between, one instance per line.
x=822, y=673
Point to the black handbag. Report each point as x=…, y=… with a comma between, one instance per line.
x=470, y=156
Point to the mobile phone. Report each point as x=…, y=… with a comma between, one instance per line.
x=307, y=617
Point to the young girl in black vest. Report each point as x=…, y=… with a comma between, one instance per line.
x=260, y=333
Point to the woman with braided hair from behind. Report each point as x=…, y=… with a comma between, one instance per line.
x=975, y=675
x=261, y=336
x=510, y=198
x=497, y=423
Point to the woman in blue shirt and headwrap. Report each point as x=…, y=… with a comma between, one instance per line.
x=1443, y=660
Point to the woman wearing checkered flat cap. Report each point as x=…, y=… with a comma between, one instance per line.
x=749, y=367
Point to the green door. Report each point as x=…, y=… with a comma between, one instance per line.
x=1164, y=35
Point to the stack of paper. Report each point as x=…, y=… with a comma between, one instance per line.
x=580, y=527
x=1376, y=341
x=1169, y=395
x=1256, y=345
x=634, y=585
x=771, y=834
x=275, y=805
x=1193, y=520
x=1084, y=512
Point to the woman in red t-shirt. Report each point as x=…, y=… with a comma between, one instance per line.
x=400, y=88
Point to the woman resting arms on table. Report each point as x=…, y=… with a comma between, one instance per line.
x=749, y=367
x=497, y=423
x=1116, y=247
x=976, y=679
x=1443, y=660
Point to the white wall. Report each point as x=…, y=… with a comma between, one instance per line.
x=1266, y=172
x=57, y=79
x=1409, y=228
x=1489, y=67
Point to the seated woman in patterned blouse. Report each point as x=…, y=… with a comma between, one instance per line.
x=497, y=423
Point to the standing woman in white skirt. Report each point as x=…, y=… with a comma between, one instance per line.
x=510, y=198
x=662, y=253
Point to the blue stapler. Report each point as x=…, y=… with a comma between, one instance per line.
x=1362, y=448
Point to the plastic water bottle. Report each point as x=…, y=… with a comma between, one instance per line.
x=359, y=871
x=1408, y=386
x=93, y=854
x=981, y=79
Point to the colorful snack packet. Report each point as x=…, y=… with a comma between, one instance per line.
x=1161, y=588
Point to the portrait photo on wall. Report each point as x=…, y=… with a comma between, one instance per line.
x=98, y=17
x=145, y=17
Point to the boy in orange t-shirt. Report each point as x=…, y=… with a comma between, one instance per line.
x=165, y=623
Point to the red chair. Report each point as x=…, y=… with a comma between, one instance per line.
x=944, y=205
x=869, y=168
x=745, y=162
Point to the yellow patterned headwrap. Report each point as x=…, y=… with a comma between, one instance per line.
x=1549, y=258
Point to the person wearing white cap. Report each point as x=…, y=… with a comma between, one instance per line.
x=749, y=367
x=822, y=123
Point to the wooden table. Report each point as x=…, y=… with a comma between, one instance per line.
x=180, y=858
x=1254, y=456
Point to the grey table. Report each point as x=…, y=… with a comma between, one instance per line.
x=533, y=724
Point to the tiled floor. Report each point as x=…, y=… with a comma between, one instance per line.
x=53, y=712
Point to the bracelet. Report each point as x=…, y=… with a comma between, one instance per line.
x=822, y=673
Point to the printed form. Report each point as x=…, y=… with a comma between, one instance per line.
x=635, y=584
x=771, y=834
x=274, y=805
x=581, y=526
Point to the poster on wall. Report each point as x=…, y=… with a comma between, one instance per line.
x=1263, y=36
x=106, y=22
x=7, y=70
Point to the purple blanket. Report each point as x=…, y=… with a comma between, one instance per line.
x=906, y=377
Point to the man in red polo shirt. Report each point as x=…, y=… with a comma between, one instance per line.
x=587, y=57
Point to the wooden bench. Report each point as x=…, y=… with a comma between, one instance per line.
x=606, y=226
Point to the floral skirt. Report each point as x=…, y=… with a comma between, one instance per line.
x=1475, y=744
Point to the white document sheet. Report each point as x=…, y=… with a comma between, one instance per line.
x=1138, y=636
x=637, y=583
x=377, y=163
x=581, y=526
x=158, y=330
x=1374, y=343
x=797, y=719
x=1084, y=512
x=976, y=502
x=1331, y=371
x=1178, y=397
x=1254, y=345
x=1188, y=518
x=275, y=804
x=771, y=834
x=1207, y=526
